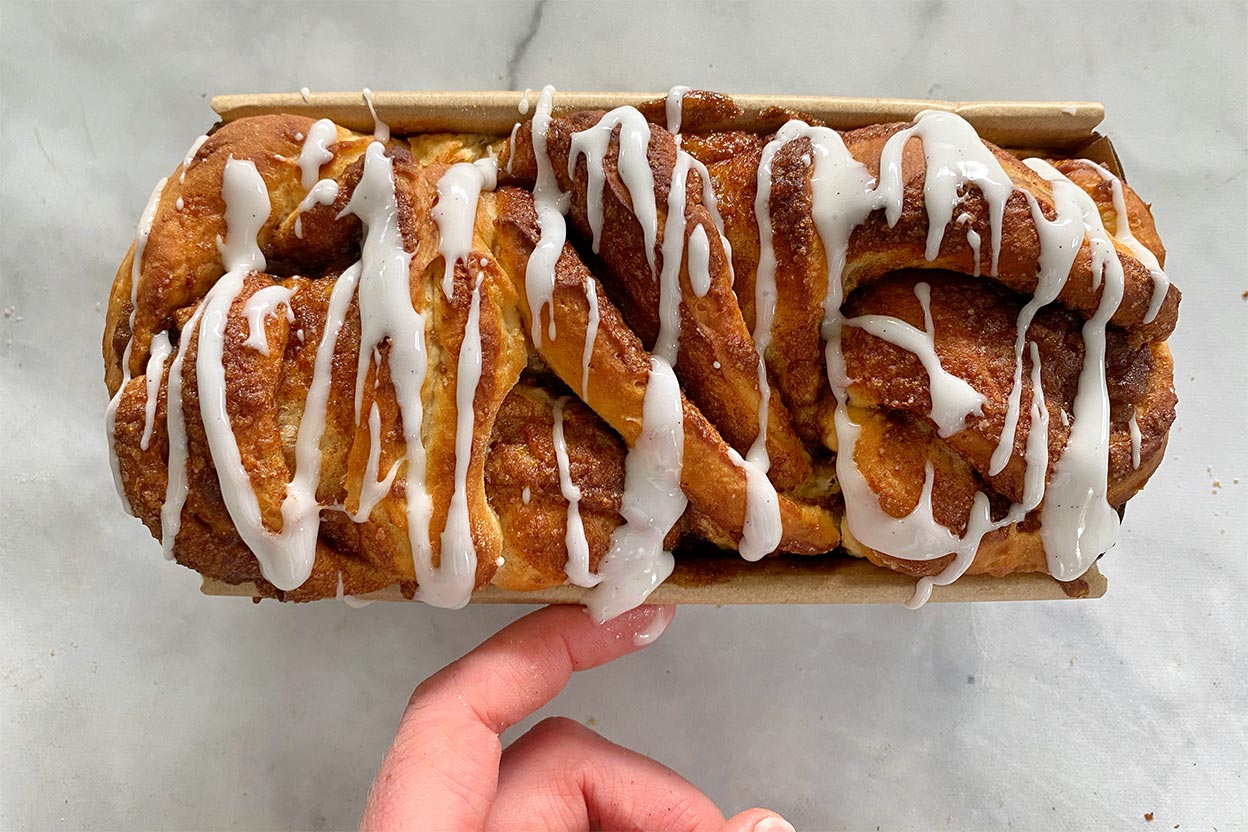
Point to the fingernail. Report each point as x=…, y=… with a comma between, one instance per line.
x=775, y=823
x=662, y=617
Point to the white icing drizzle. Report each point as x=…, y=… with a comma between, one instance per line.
x=1133, y=427
x=633, y=163
x=653, y=500
x=844, y=195
x=699, y=262
x=523, y=106
x=459, y=190
x=511, y=146
x=551, y=204
x=315, y=152
x=955, y=158
x=1060, y=241
x=667, y=344
x=526, y=494
x=258, y=307
x=765, y=289
x=373, y=487
x=972, y=239
x=762, y=528
x=285, y=557
x=349, y=600
x=458, y=547
x=1124, y=235
x=190, y=157
x=153, y=375
x=307, y=95
x=381, y=130
x=953, y=399
x=323, y=192
x=177, y=485
x=675, y=108
x=652, y=503
x=591, y=335
x=386, y=312
x=1078, y=524
x=179, y=203
x=136, y=264
x=842, y=199
x=577, y=567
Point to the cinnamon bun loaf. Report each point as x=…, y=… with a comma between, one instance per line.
x=342, y=362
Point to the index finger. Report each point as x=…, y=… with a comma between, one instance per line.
x=442, y=769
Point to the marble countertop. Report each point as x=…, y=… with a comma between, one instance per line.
x=127, y=700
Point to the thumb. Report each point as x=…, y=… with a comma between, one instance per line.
x=757, y=820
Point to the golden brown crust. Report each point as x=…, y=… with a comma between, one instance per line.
x=511, y=444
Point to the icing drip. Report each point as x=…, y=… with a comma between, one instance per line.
x=675, y=107
x=323, y=192
x=551, y=204
x=525, y=495
x=136, y=264
x=315, y=152
x=591, y=335
x=955, y=158
x=1037, y=456
x=381, y=130
x=762, y=528
x=523, y=106
x=159, y=354
x=285, y=558
x=633, y=164
x=652, y=504
x=844, y=195
x=349, y=600
x=653, y=500
x=386, y=312
x=258, y=307
x=667, y=344
x=307, y=95
x=176, y=487
x=189, y=158
x=373, y=488
x=1078, y=524
x=458, y=548
x=577, y=567
x=511, y=146
x=972, y=238
x=953, y=400
x=1133, y=427
x=699, y=262
x=1060, y=241
x=765, y=289
x=459, y=190
x=1122, y=233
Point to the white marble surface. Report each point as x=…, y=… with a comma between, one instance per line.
x=127, y=700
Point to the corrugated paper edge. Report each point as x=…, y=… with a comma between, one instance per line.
x=1057, y=128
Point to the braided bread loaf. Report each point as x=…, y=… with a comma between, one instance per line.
x=342, y=362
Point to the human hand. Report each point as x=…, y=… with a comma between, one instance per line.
x=447, y=768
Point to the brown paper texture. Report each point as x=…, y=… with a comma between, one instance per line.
x=1027, y=128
